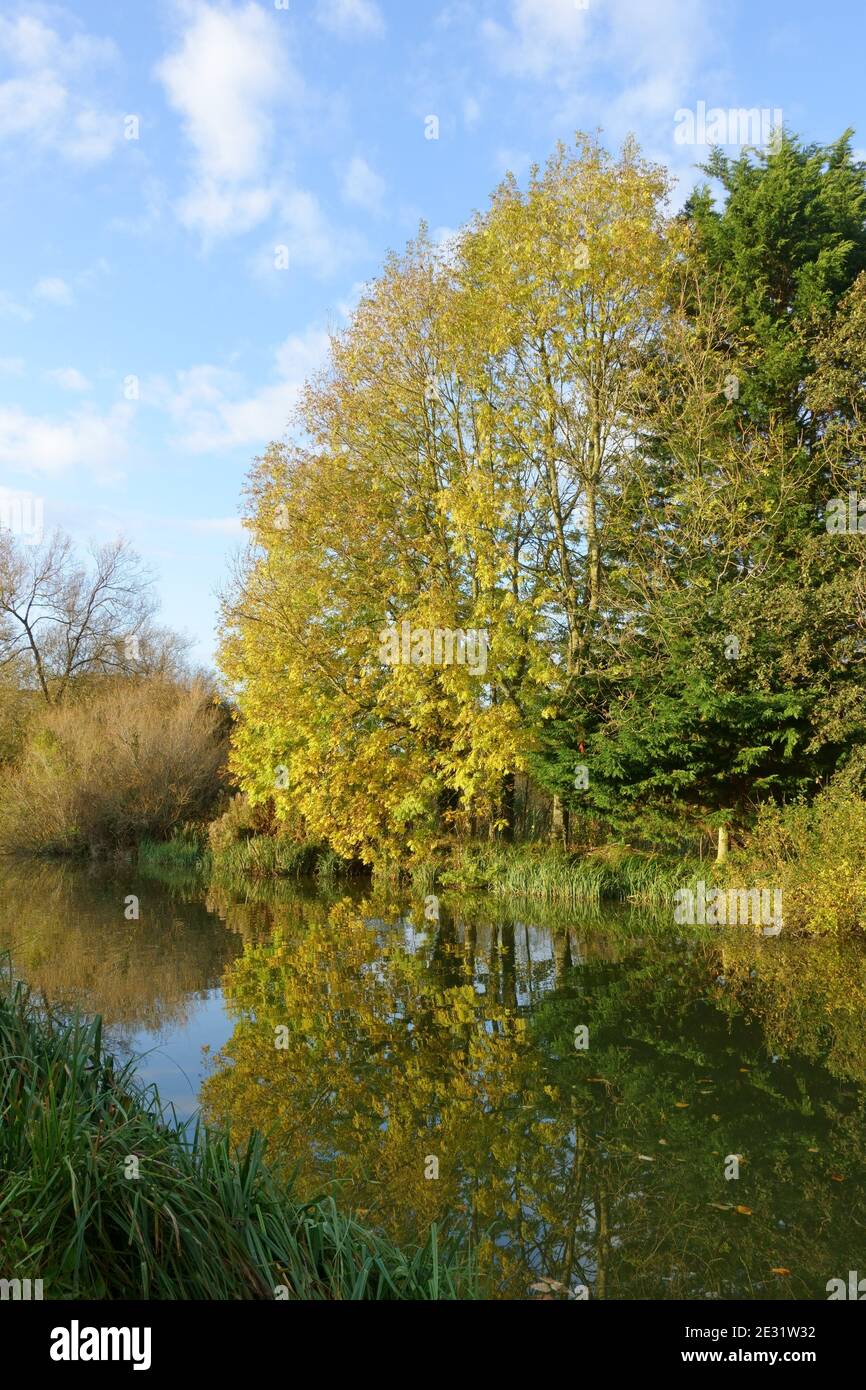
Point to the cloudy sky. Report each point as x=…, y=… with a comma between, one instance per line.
x=193, y=192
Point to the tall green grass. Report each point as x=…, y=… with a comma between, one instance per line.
x=266, y=856
x=550, y=875
x=200, y=1222
x=257, y=857
x=185, y=854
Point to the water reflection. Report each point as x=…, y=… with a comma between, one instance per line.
x=367, y=1042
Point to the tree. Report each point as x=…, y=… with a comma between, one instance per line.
x=63, y=622
x=466, y=462
x=743, y=657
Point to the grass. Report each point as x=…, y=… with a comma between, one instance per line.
x=200, y=1222
x=255, y=857
x=185, y=853
x=265, y=856
x=550, y=875
x=534, y=871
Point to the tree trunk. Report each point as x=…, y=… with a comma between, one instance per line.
x=722, y=852
x=507, y=806
x=559, y=823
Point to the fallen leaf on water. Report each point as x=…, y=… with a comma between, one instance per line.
x=812, y=1151
x=744, y=1211
x=781, y=1270
x=837, y=1177
x=681, y=1104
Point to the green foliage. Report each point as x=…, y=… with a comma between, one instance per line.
x=542, y=872
x=789, y=240
x=814, y=854
x=269, y=856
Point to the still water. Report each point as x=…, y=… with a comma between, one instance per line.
x=425, y=1071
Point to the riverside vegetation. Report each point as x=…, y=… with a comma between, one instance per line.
x=608, y=440
x=624, y=450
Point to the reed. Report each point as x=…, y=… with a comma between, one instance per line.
x=550, y=875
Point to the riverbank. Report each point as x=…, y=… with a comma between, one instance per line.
x=537, y=871
x=103, y=1198
x=806, y=856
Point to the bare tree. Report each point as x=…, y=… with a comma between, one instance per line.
x=62, y=621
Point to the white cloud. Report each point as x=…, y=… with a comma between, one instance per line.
x=229, y=72
x=69, y=379
x=11, y=309
x=545, y=36
x=229, y=76
x=48, y=97
x=362, y=186
x=85, y=439
x=351, y=18
x=312, y=241
x=657, y=52
x=54, y=290
x=12, y=366
x=212, y=412
x=650, y=55
x=218, y=210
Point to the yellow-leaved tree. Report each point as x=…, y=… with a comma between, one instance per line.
x=436, y=557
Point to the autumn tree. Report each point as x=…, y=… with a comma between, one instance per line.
x=64, y=622
x=467, y=462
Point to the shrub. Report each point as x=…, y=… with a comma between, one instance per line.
x=132, y=760
x=814, y=853
x=237, y=823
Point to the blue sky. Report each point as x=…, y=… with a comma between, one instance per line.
x=192, y=194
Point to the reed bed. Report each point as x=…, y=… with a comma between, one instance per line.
x=587, y=879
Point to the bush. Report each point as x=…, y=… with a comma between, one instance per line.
x=132, y=760
x=814, y=854
x=237, y=823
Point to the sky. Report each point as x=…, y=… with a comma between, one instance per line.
x=194, y=192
